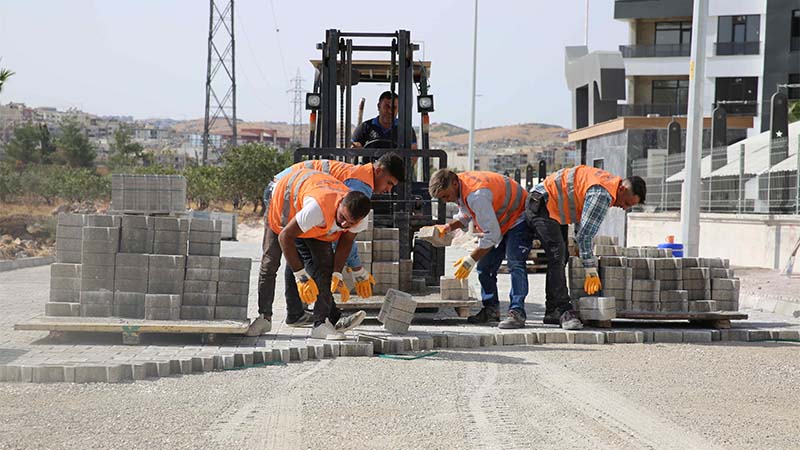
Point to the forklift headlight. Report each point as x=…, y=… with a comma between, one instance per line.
x=425, y=103
x=313, y=101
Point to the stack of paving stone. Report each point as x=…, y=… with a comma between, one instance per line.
x=162, y=307
x=367, y=235
x=669, y=273
x=233, y=289
x=431, y=235
x=170, y=236
x=597, y=308
x=724, y=286
x=204, y=237
x=164, y=287
x=397, y=311
x=137, y=234
x=577, y=276
x=386, y=259
x=453, y=289
x=69, y=235
x=148, y=193
x=65, y=290
x=131, y=280
x=200, y=287
x=98, y=255
x=645, y=291
x=406, y=275
x=617, y=280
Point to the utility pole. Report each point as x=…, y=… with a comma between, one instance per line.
x=471, y=148
x=298, y=103
x=220, y=71
x=690, y=198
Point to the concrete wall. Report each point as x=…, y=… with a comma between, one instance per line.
x=752, y=240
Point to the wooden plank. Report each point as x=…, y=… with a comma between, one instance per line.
x=377, y=302
x=718, y=315
x=119, y=325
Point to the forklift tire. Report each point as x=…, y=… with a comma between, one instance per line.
x=423, y=256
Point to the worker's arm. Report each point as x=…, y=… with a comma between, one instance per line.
x=358, y=136
x=595, y=207
x=286, y=239
x=342, y=252
x=480, y=202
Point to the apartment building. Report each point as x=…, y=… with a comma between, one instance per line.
x=752, y=47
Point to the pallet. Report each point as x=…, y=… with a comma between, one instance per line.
x=717, y=320
x=529, y=268
x=462, y=307
x=132, y=329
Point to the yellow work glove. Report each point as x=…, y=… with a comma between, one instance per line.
x=337, y=285
x=442, y=229
x=306, y=286
x=591, y=284
x=463, y=267
x=364, y=281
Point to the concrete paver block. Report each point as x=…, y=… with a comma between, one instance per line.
x=431, y=235
x=668, y=336
x=697, y=336
x=230, y=313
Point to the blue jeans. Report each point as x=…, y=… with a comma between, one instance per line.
x=515, y=247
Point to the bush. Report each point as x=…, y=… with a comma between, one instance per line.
x=203, y=184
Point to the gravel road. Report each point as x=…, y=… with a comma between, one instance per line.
x=548, y=397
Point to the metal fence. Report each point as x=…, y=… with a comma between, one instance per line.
x=761, y=179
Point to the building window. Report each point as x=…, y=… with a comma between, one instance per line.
x=599, y=163
x=795, y=42
x=738, y=35
x=672, y=95
x=738, y=95
x=794, y=92
x=673, y=33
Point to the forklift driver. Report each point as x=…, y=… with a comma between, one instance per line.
x=381, y=131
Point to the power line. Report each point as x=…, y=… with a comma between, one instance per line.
x=278, y=38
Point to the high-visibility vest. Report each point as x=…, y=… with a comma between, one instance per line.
x=508, y=197
x=342, y=171
x=566, y=191
x=294, y=188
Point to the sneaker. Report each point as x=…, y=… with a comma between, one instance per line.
x=345, y=324
x=514, y=320
x=485, y=315
x=570, y=321
x=552, y=318
x=326, y=331
x=306, y=319
x=260, y=326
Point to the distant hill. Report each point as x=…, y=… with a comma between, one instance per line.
x=442, y=133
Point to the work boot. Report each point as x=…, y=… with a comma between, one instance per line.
x=485, y=315
x=515, y=319
x=552, y=318
x=306, y=319
x=324, y=330
x=349, y=322
x=260, y=326
x=570, y=321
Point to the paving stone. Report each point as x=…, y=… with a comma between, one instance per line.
x=73, y=220
x=386, y=234
x=596, y=303
x=232, y=300
x=226, y=263
x=237, y=276
x=61, y=309
x=98, y=259
x=65, y=270
x=646, y=285
x=598, y=314
x=696, y=273
x=697, y=336
x=197, y=313
x=724, y=284
x=89, y=310
x=431, y=235
x=590, y=337
x=668, y=336
x=227, y=287
x=394, y=326
x=758, y=335
x=624, y=337
x=192, y=299
x=203, y=248
x=98, y=374
x=48, y=374
x=64, y=295
x=612, y=261
x=721, y=273
x=162, y=313
x=674, y=307
x=674, y=296
x=702, y=306
x=556, y=337
x=644, y=306
x=134, y=371
x=230, y=313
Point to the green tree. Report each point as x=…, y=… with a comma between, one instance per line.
x=24, y=145
x=203, y=184
x=125, y=151
x=5, y=74
x=10, y=185
x=248, y=168
x=74, y=146
x=794, y=111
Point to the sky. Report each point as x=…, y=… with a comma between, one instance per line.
x=147, y=58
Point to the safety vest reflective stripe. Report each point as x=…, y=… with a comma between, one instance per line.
x=561, y=209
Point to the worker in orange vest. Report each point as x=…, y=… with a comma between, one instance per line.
x=308, y=211
x=377, y=177
x=495, y=204
x=582, y=196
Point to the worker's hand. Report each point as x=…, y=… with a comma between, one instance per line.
x=443, y=229
x=364, y=281
x=591, y=284
x=463, y=267
x=306, y=286
x=337, y=285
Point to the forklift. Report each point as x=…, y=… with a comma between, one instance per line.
x=409, y=206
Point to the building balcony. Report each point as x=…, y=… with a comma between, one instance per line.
x=654, y=51
x=738, y=48
x=794, y=45
x=649, y=109
x=740, y=107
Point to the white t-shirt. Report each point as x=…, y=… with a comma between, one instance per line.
x=311, y=216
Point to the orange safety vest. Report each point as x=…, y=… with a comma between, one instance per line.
x=340, y=170
x=566, y=191
x=290, y=192
x=508, y=197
